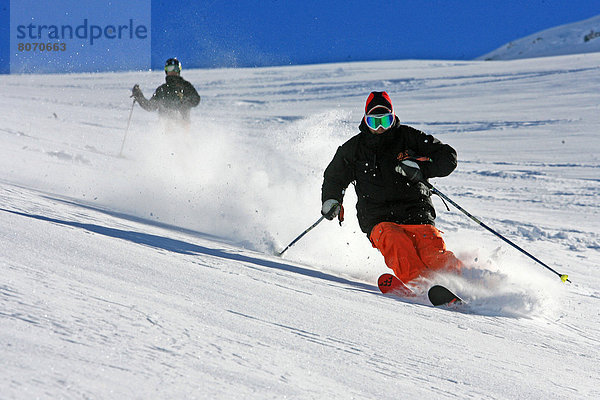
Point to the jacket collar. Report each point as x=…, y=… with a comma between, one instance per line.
x=173, y=78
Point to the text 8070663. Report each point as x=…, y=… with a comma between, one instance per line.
x=42, y=47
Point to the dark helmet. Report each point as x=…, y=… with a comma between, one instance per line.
x=379, y=112
x=172, y=65
x=378, y=103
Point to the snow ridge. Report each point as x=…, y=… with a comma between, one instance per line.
x=575, y=38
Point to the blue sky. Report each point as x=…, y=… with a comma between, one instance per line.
x=276, y=32
x=246, y=33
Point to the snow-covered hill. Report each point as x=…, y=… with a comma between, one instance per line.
x=152, y=275
x=575, y=38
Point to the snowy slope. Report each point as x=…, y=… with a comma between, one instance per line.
x=575, y=38
x=152, y=275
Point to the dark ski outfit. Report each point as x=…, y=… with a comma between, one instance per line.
x=173, y=99
x=396, y=213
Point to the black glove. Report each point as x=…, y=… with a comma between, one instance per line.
x=411, y=170
x=136, y=92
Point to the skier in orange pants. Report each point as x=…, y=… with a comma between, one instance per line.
x=388, y=162
x=412, y=251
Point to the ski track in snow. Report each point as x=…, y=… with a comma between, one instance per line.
x=151, y=274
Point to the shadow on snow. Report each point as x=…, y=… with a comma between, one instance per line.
x=493, y=305
x=186, y=248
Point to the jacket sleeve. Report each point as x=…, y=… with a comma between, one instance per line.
x=191, y=96
x=442, y=156
x=148, y=105
x=337, y=176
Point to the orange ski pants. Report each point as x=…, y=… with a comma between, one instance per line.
x=413, y=250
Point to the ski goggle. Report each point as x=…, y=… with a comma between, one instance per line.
x=173, y=67
x=379, y=120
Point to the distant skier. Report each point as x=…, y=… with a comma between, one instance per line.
x=173, y=99
x=386, y=162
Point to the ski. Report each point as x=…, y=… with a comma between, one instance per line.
x=389, y=284
x=439, y=296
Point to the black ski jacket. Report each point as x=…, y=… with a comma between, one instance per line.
x=369, y=160
x=172, y=99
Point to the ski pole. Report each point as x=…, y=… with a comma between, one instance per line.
x=563, y=277
x=301, y=235
x=127, y=129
